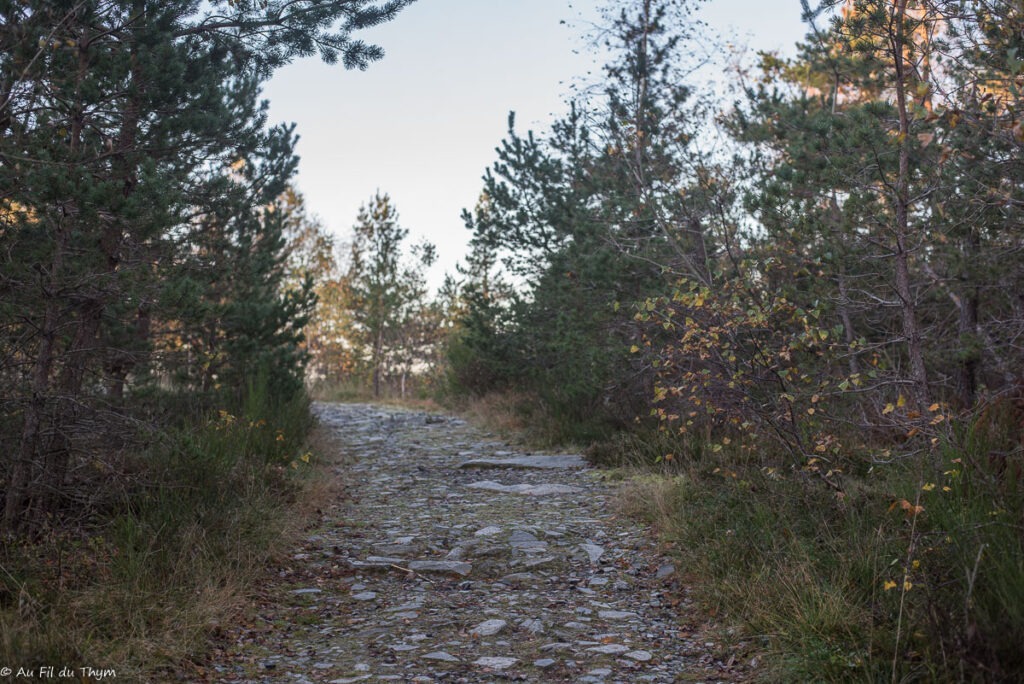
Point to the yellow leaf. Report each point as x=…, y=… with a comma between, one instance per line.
x=889, y=408
x=634, y=349
x=889, y=585
x=907, y=585
x=933, y=408
x=938, y=419
x=901, y=402
x=928, y=487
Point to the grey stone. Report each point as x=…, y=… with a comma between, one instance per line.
x=639, y=656
x=441, y=655
x=365, y=596
x=593, y=551
x=616, y=614
x=496, y=663
x=443, y=567
x=609, y=649
x=665, y=571
x=534, y=462
x=545, y=663
x=525, y=489
x=488, y=531
x=310, y=590
x=532, y=626
x=402, y=648
x=488, y=628
x=539, y=562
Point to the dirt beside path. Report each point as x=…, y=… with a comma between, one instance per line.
x=456, y=558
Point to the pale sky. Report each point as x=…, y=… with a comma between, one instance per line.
x=422, y=124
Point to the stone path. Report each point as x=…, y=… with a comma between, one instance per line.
x=460, y=559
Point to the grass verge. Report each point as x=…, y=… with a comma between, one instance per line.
x=138, y=585
x=912, y=572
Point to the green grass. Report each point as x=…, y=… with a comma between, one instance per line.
x=852, y=585
x=165, y=558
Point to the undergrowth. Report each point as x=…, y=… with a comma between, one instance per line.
x=910, y=571
x=139, y=583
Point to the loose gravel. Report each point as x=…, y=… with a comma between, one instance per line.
x=458, y=558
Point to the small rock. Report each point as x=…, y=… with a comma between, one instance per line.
x=532, y=626
x=556, y=646
x=525, y=489
x=545, y=663
x=365, y=596
x=594, y=552
x=536, y=462
x=441, y=655
x=539, y=562
x=310, y=590
x=496, y=663
x=616, y=614
x=489, y=531
x=639, y=656
x=609, y=649
x=456, y=567
x=488, y=628
x=665, y=571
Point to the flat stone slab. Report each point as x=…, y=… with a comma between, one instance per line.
x=534, y=462
x=441, y=655
x=609, y=649
x=496, y=663
x=526, y=489
x=454, y=567
x=617, y=614
x=488, y=628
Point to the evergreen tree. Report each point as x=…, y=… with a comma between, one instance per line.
x=385, y=292
x=120, y=123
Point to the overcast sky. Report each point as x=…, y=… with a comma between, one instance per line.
x=422, y=124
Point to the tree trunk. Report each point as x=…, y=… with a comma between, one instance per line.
x=908, y=307
x=27, y=461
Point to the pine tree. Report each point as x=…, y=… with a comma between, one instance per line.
x=385, y=292
x=120, y=123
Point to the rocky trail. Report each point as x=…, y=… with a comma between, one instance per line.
x=457, y=558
